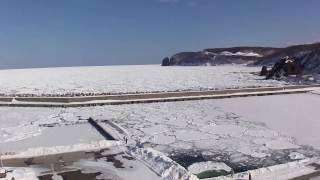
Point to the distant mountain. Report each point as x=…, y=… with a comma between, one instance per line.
x=216, y=56
x=261, y=56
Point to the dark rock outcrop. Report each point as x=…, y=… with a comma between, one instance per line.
x=264, y=71
x=304, y=63
x=310, y=62
x=285, y=67
x=291, y=51
x=304, y=59
x=165, y=62
x=190, y=58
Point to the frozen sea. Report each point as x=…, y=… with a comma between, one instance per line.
x=244, y=133
x=295, y=115
x=128, y=79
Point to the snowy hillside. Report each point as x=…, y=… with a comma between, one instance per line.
x=218, y=56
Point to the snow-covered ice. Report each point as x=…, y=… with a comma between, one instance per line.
x=116, y=164
x=289, y=170
x=161, y=164
x=220, y=129
x=197, y=168
x=22, y=173
x=238, y=133
x=294, y=115
x=71, y=134
x=296, y=156
x=23, y=128
x=132, y=169
x=224, y=131
x=128, y=79
x=43, y=151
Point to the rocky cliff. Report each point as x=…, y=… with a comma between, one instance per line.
x=296, y=51
x=302, y=63
x=261, y=56
x=216, y=56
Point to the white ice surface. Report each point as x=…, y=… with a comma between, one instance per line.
x=133, y=169
x=19, y=123
x=211, y=126
x=123, y=79
x=202, y=125
x=161, y=164
x=72, y=134
x=199, y=167
x=295, y=115
x=278, y=172
x=208, y=125
x=42, y=151
x=296, y=156
x=21, y=173
x=23, y=128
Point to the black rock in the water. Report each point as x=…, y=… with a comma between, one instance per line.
x=264, y=71
x=292, y=51
x=304, y=63
x=165, y=62
x=285, y=67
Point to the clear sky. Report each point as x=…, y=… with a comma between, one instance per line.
x=48, y=33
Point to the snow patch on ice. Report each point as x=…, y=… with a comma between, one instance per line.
x=281, y=171
x=197, y=168
x=42, y=151
x=281, y=144
x=56, y=177
x=161, y=164
x=20, y=173
x=296, y=156
x=315, y=91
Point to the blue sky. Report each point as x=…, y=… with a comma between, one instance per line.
x=49, y=33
